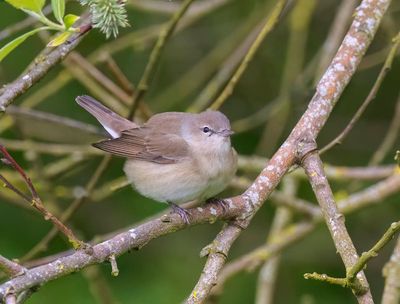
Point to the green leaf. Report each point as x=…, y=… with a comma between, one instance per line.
x=70, y=19
x=9, y=47
x=58, y=7
x=32, y=5
x=60, y=39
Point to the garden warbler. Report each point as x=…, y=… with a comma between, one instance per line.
x=174, y=157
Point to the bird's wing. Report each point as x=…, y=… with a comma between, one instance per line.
x=112, y=122
x=143, y=144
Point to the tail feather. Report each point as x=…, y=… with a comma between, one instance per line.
x=111, y=121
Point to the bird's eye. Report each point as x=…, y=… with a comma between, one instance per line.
x=206, y=129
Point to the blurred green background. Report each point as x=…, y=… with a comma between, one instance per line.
x=165, y=270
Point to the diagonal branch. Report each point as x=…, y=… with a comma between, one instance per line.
x=313, y=167
x=35, y=200
x=217, y=253
x=41, y=67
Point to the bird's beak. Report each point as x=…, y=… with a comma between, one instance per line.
x=226, y=133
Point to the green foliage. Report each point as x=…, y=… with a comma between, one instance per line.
x=34, y=9
x=58, y=9
x=60, y=39
x=107, y=15
x=30, y=5
x=9, y=47
x=70, y=19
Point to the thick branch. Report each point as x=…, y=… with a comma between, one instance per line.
x=366, y=197
x=134, y=238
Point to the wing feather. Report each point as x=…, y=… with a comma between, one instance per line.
x=143, y=144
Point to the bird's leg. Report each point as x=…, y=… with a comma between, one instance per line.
x=183, y=213
x=218, y=201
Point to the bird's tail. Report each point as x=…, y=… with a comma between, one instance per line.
x=111, y=121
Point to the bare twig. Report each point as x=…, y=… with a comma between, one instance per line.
x=155, y=56
x=114, y=265
x=123, y=81
x=299, y=21
x=268, y=26
x=76, y=59
x=390, y=137
x=269, y=271
x=70, y=211
x=35, y=200
x=371, y=96
x=256, y=163
x=215, y=84
x=48, y=148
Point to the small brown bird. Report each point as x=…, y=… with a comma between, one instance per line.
x=174, y=157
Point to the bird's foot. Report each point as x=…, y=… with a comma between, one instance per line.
x=183, y=213
x=220, y=202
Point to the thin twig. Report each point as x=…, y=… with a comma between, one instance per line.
x=371, y=96
x=267, y=276
x=155, y=56
x=299, y=23
x=268, y=26
x=123, y=81
x=76, y=59
x=48, y=148
x=256, y=163
x=390, y=137
x=36, y=202
x=114, y=265
x=70, y=211
x=223, y=73
x=373, y=252
x=351, y=275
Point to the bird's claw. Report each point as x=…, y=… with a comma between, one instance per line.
x=183, y=213
x=219, y=201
